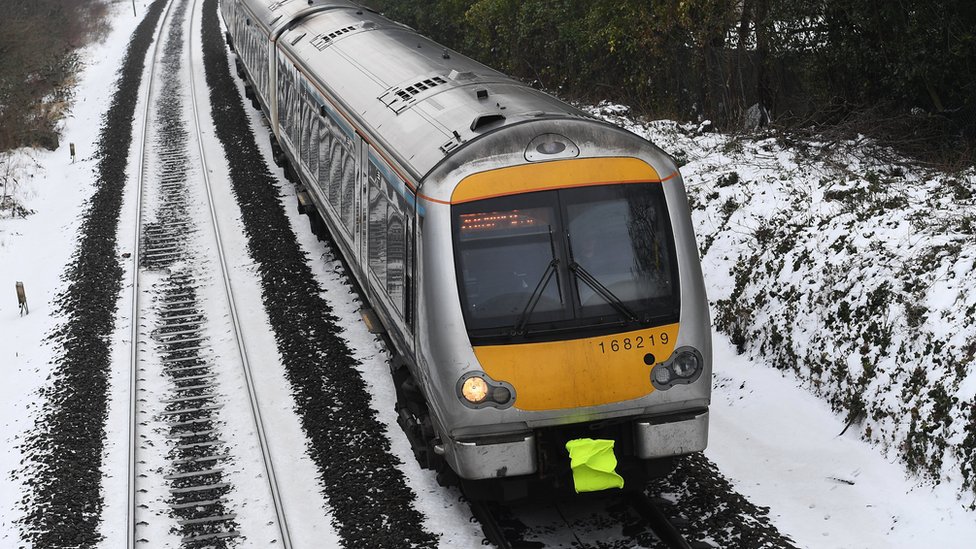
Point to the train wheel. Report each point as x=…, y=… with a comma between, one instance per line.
x=413, y=416
x=316, y=225
x=290, y=174
x=276, y=153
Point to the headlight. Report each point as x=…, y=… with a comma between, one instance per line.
x=477, y=390
x=474, y=390
x=685, y=366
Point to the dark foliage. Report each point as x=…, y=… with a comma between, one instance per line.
x=901, y=71
x=38, y=39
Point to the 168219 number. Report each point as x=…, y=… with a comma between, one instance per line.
x=636, y=342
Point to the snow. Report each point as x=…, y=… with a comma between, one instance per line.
x=782, y=448
x=779, y=442
x=36, y=249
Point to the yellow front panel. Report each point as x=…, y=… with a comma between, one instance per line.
x=583, y=372
x=553, y=175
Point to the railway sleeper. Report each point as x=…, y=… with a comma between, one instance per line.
x=211, y=537
x=198, y=503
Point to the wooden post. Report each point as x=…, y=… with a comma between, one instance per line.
x=22, y=299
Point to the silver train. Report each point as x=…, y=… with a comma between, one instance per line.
x=535, y=270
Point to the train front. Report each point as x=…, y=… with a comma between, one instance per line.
x=566, y=326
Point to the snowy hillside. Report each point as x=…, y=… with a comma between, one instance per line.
x=853, y=273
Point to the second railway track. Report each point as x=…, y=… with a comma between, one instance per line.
x=191, y=381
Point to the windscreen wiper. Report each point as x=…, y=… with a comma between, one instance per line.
x=602, y=290
x=523, y=318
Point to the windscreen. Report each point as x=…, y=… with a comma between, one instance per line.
x=504, y=255
x=556, y=261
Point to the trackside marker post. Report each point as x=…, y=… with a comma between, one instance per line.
x=22, y=299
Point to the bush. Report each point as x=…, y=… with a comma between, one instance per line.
x=904, y=71
x=38, y=41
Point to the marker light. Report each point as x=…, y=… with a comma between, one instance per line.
x=474, y=389
x=501, y=395
x=662, y=375
x=683, y=367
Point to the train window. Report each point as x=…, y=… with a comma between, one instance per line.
x=294, y=117
x=283, y=89
x=387, y=250
x=619, y=252
x=376, y=244
x=281, y=99
x=348, y=190
x=507, y=257
x=589, y=259
x=396, y=256
x=335, y=174
x=306, y=128
x=313, y=150
x=324, y=145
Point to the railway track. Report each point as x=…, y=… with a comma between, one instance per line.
x=190, y=367
x=636, y=520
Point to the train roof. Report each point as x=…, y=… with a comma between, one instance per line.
x=419, y=100
x=275, y=15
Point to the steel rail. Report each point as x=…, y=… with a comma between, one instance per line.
x=662, y=527
x=136, y=252
x=235, y=319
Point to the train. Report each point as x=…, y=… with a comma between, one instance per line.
x=534, y=270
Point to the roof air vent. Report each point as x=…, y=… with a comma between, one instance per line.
x=483, y=120
x=398, y=98
x=323, y=41
x=456, y=75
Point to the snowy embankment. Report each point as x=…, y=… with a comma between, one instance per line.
x=855, y=274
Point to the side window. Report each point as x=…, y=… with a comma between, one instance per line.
x=376, y=242
x=348, y=189
x=303, y=131
x=306, y=129
x=283, y=95
x=293, y=118
x=324, y=145
x=387, y=243
x=396, y=256
x=313, y=149
x=335, y=173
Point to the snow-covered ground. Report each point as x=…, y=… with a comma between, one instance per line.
x=36, y=249
x=774, y=432
x=843, y=275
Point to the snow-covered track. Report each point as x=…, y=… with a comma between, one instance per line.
x=629, y=519
x=658, y=521
x=188, y=355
